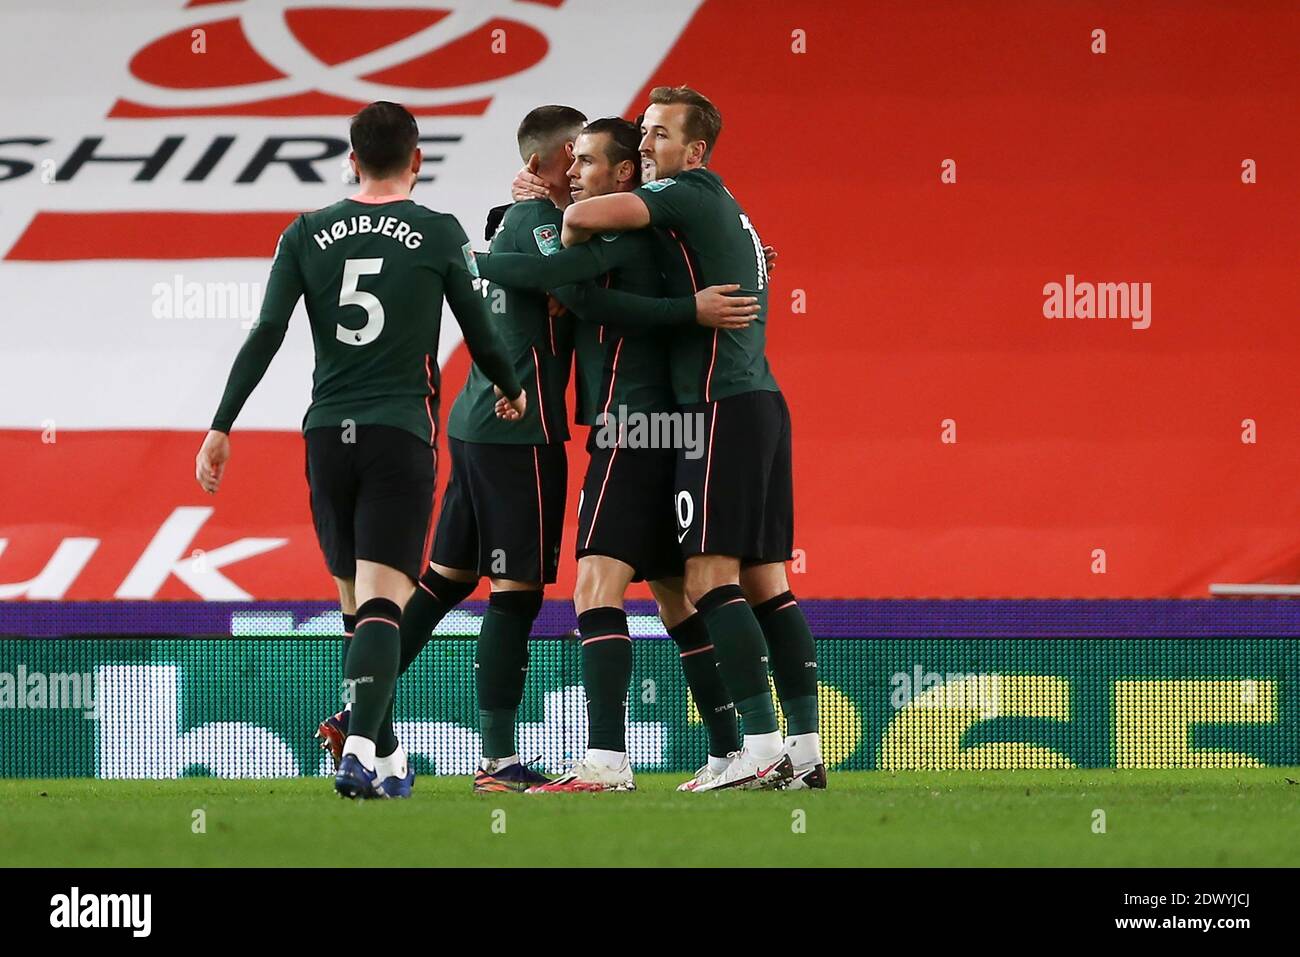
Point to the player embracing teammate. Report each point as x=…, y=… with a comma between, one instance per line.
x=626, y=532
x=734, y=504
x=652, y=340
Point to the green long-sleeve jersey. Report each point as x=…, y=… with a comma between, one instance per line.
x=720, y=245
x=374, y=277
x=539, y=346
x=623, y=350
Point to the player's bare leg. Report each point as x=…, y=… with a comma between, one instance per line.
x=670, y=595
x=347, y=594
x=713, y=586
x=455, y=574
x=348, y=606
x=695, y=652
x=606, y=671
x=500, y=669
x=602, y=583
x=371, y=674
x=793, y=657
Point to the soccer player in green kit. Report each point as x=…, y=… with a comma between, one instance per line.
x=503, y=513
x=734, y=505
x=626, y=530
x=374, y=270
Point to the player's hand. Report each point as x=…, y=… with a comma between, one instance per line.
x=769, y=253
x=527, y=184
x=210, y=463
x=555, y=308
x=716, y=309
x=512, y=410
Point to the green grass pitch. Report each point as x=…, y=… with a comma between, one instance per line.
x=1246, y=817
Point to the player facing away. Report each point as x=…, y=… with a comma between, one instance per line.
x=374, y=270
x=503, y=513
x=734, y=504
x=626, y=530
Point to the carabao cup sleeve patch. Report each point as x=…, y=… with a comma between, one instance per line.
x=470, y=262
x=548, y=239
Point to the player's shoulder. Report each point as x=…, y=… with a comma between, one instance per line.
x=533, y=212
x=702, y=174
x=533, y=223
x=698, y=178
x=325, y=213
x=428, y=212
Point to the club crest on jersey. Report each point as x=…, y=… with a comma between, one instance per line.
x=548, y=239
x=655, y=185
x=470, y=262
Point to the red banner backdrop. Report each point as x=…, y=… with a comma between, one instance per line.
x=926, y=171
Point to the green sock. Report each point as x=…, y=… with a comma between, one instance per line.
x=497, y=729
x=433, y=597
x=711, y=699
x=372, y=665
x=501, y=665
x=606, y=671
x=349, y=626
x=794, y=660
x=741, y=651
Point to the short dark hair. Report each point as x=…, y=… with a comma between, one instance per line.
x=384, y=136
x=703, y=121
x=545, y=127
x=624, y=141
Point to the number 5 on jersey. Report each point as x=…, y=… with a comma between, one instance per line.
x=350, y=295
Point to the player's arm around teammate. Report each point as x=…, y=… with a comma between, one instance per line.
x=734, y=505
x=502, y=515
x=569, y=275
